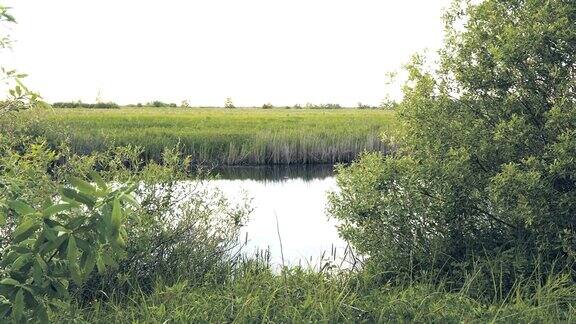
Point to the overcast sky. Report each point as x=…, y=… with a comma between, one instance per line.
x=254, y=51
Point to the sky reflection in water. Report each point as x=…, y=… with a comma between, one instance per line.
x=296, y=204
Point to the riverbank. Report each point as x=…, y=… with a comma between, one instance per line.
x=218, y=136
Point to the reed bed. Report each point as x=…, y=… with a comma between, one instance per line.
x=221, y=136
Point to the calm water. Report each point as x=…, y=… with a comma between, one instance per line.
x=289, y=207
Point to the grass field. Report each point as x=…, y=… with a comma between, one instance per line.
x=222, y=136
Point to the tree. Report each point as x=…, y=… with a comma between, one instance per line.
x=485, y=165
x=228, y=103
x=19, y=96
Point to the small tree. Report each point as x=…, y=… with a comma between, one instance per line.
x=485, y=165
x=228, y=103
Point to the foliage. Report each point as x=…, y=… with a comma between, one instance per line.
x=19, y=96
x=485, y=164
x=188, y=229
x=183, y=231
x=219, y=136
x=388, y=104
x=267, y=106
x=79, y=104
x=228, y=103
x=61, y=242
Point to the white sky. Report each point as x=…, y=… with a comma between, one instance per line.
x=254, y=51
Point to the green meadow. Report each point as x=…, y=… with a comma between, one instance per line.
x=221, y=136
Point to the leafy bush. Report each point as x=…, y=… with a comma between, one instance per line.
x=485, y=165
x=267, y=106
x=63, y=241
x=171, y=228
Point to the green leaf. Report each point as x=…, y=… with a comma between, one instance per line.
x=20, y=262
x=10, y=282
x=56, y=209
x=98, y=179
x=42, y=311
x=72, y=250
x=129, y=199
x=89, y=264
x=72, y=256
x=25, y=229
x=79, y=197
x=37, y=273
x=18, y=308
x=83, y=186
x=41, y=262
x=20, y=207
x=116, y=216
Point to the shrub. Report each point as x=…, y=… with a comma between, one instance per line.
x=59, y=244
x=485, y=165
x=267, y=106
x=170, y=231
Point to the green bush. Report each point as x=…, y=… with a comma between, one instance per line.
x=59, y=244
x=485, y=166
x=52, y=239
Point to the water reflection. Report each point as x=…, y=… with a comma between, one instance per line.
x=289, y=211
x=277, y=172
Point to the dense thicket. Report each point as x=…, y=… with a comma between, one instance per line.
x=486, y=167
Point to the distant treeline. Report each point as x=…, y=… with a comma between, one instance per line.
x=79, y=104
x=157, y=104
x=185, y=104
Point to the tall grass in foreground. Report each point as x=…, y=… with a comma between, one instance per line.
x=255, y=294
x=221, y=136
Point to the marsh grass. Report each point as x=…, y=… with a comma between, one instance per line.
x=220, y=136
x=254, y=293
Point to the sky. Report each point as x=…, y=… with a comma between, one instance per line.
x=204, y=51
